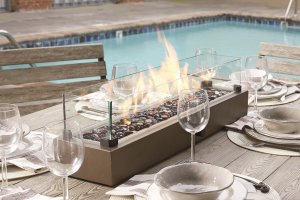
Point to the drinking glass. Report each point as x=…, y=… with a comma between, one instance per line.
x=193, y=113
x=10, y=136
x=63, y=150
x=206, y=62
x=124, y=84
x=256, y=74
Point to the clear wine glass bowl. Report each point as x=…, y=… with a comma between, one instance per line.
x=63, y=149
x=206, y=63
x=257, y=78
x=256, y=74
x=193, y=113
x=10, y=136
x=124, y=83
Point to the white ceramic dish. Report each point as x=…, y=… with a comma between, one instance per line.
x=276, y=101
x=236, y=191
x=269, y=88
x=278, y=94
x=282, y=119
x=191, y=181
x=261, y=128
x=252, y=133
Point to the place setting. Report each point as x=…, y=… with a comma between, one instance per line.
x=20, y=150
x=271, y=130
x=285, y=94
x=58, y=147
x=193, y=181
x=264, y=89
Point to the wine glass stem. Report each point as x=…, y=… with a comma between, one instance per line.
x=255, y=103
x=193, y=137
x=65, y=188
x=4, y=182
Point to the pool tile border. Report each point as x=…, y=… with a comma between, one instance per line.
x=133, y=30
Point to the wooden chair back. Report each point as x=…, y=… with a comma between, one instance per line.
x=282, y=59
x=31, y=87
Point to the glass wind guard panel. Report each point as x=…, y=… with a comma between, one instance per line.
x=146, y=98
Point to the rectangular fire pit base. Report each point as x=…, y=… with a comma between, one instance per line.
x=141, y=150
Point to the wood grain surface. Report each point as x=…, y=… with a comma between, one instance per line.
x=29, y=87
x=279, y=50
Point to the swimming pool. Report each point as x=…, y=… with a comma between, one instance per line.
x=227, y=37
x=237, y=36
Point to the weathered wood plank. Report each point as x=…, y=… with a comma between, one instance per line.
x=39, y=74
x=25, y=110
x=48, y=184
x=39, y=119
x=50, y=54
x=89, y=191
x=185, y=155
x=286, y=180
x=279, y=50
x=40, y=91
x=283, y=67
x=221, y=152
x=29, y=86
x=256, y=164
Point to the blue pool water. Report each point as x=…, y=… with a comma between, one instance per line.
x=228, y=38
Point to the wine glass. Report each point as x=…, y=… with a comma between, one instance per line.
x=124, y=84
x=63, y=149
x=193, y=113
x=206, y=62
x=256, y=74
x=10, y=136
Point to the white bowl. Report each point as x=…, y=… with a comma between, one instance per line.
x=191, y=181
x=282, y=119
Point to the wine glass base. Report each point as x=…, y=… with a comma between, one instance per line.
x=10, y=190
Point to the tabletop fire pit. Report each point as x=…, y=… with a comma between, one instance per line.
x=151, y=133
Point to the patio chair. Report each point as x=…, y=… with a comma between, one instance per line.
x=29, y=87
x=282, y=59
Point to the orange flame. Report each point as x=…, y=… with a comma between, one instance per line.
x=166, y=81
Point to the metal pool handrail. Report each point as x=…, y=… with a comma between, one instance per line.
x=289, y=8
x=12, y=41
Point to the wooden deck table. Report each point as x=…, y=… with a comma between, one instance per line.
x=280, y=172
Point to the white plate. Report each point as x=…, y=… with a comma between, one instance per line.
x=260, y=127
x=278, y=94
x=236, y=191
x=269, y=88
x=14, y=172
x=260, y=137
x=276, y=101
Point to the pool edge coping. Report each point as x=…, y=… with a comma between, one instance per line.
x=139, y=23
